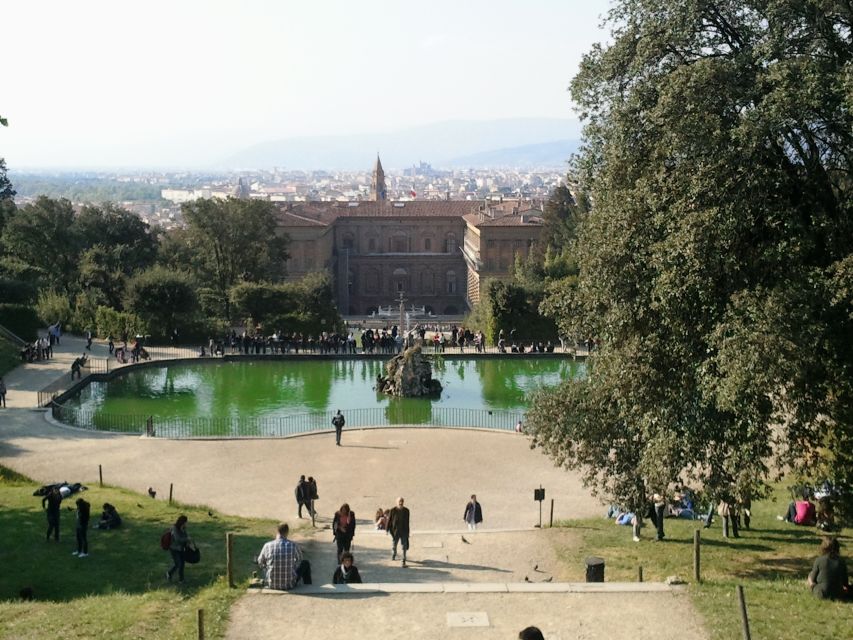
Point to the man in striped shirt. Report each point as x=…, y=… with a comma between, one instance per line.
x=282, y=562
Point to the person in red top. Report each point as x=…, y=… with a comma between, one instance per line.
x=801, y=512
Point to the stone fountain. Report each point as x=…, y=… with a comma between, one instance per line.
x=408, y=374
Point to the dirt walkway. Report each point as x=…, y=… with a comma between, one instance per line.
x=425, y=616
x=435, y=469
x=25, y=381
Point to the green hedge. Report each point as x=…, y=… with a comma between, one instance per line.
x=9, y=356
x=20, y=319
x=16, y=291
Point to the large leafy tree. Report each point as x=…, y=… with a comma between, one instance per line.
x=6, y=190
x=715, y=266
x=7, y=206
x=41, y=236
x=7, y=193
x=124, y=233
x=117, y=244
x=561, y=216
x=234, y=240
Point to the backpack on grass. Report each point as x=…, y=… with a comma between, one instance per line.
x=166, y=540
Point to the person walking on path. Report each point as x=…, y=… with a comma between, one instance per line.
x=473, y=513
x=312, y=495
x=398, y=527
x=2, y=392
x=180, y=541
x=347, y=572
x=82, y=528
x=303, y=495
x=339, y=421
x=282, y=562
x=52, y=502
x=343, y=529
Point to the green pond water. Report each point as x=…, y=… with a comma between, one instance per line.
x=262, y=396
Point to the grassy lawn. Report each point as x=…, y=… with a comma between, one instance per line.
x=119, y=591
x=10, y=356
x=771, y=561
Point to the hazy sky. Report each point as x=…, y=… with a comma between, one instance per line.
x=182, y=82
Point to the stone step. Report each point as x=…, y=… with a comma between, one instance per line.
x=473, y=587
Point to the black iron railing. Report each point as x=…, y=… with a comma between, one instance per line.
x=290, y=425
x=58, y=387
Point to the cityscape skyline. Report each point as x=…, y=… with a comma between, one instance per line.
x=190, y=84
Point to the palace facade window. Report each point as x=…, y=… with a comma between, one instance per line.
x=451, y=281
x=450, y=243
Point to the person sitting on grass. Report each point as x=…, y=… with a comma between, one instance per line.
x=825, y=515
x=828, y=578
x=801, y=512
x=110, y=519
x=347, y=572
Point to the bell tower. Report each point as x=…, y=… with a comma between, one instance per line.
x=377, y=186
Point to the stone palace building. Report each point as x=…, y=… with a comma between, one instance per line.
x=436, y=253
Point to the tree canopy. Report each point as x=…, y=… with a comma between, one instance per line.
x=6, y=190
x=715, y=265
x=41, y=236
x=234, y=240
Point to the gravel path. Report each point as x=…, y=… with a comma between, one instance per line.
x=435, y=469
x=423, y=616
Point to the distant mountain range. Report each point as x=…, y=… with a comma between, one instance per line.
x=546, y=154
x=517, y=142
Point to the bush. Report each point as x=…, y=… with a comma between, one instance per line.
x=85, y=307
x=516, y=307
x=164, y=298
x=9, y=356
x=305, y=306
x=20, y=319
x=53, y=307
x=109, y=322
x=200, y=329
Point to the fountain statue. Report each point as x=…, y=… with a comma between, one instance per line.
x=408, y=374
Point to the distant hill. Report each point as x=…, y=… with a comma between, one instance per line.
x=443, y=144
x=546, y=154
